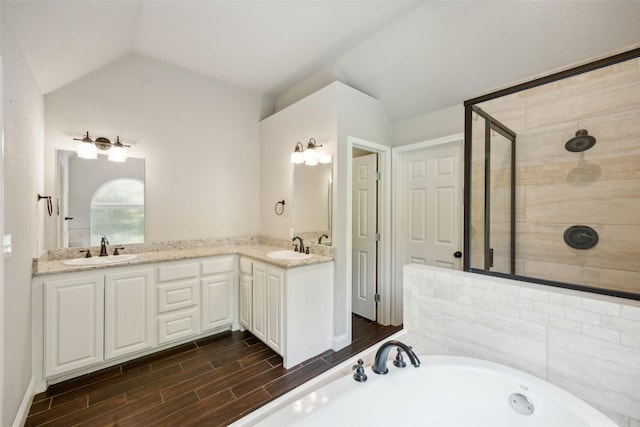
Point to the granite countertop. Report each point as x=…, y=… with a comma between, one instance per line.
x=256, y=251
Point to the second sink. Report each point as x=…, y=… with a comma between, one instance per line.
x=288, y=255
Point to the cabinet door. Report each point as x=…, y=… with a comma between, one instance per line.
x=73, y=314
x=259, y=318
x=178, y=324
x=274, y=308
x=246, y=295
x=129, y=312
x=217, y=301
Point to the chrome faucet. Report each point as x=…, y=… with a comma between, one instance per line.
x=103, y=246
x=301, y=243
x=380, y=363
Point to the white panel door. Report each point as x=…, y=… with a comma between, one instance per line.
x=73, y=321
x=129, y=312
x=431, y=197
x=217, y=301
x=364, y=254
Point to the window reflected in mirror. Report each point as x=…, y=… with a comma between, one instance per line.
x=99, y=198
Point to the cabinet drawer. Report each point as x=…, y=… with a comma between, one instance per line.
x=175, y=296
x=174, y=326
x=217, y=265
x=179, y=271
x=246, y=266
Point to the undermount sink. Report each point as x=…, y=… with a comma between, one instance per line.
x=102, y=260
x=288, y=255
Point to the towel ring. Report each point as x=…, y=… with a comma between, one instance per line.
x=281, y=210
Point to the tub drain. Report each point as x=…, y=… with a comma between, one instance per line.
x=521, y=403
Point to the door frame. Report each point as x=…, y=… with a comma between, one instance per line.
x=398, y=154
x=385, y=286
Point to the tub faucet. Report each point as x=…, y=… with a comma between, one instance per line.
x=301, y=243
x=103, y=246
x=380, y=363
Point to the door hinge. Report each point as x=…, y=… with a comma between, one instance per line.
x=376, y=237
x=377, y=176
x=376, y=297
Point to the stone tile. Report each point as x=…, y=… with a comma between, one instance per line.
x=565, y=300
x=630, y=340
x=601, y=333
x=582, y=316
x=551, y=309
x=565, y=324
x=534, y=316
x=610, y=374
x=486, y=335
x=630, y=312
x=598, y=306
x=534, y=294
x=619, y=324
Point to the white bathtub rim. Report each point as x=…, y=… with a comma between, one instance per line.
x=345, y=369
x=337, y=371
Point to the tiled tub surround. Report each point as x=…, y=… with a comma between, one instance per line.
x=585, y=343
x=556, y=189
x=252, y=247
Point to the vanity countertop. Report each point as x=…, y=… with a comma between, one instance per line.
x=255, y=251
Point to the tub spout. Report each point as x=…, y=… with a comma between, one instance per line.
x=380, y=363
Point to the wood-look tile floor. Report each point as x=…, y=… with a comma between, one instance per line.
x=210, y=382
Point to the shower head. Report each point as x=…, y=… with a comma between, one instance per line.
x=581, y=142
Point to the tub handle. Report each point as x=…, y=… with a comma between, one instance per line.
x=359, y=376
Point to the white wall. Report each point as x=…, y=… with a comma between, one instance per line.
x=329, y=115
x=312, y=117
x=23, y=107
x=438, y=124
x=199, y=137
x=586, y=343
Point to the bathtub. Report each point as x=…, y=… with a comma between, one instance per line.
x=445, y=391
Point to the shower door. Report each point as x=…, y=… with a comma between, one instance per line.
x=492, y=219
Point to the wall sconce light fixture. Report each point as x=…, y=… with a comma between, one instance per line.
x=310, y=156
x=87, y=148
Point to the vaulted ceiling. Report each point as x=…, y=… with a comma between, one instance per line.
x=415, y=56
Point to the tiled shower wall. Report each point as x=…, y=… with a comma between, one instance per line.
x=585, y=343
x=556, y=189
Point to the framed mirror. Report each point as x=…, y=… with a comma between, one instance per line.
x=99, y=198
x=552, y=179
x=312, y=193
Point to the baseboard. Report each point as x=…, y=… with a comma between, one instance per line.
x=340, y=342
x=23, y=411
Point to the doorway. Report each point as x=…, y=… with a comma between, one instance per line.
x=365, y=236
x=428, y=207
x=379, y=278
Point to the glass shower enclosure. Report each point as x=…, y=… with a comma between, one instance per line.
x=490, y=180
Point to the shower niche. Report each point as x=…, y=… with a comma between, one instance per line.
x=552, y=179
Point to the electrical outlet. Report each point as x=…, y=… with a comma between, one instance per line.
x=291, y=233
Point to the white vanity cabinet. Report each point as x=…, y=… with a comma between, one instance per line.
x=178, y=300
x=129, y=312
x=87, y=320
x=291, y=309
x=73, y=323
x=219, y=304
x=245, y=314
x=268, y=287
